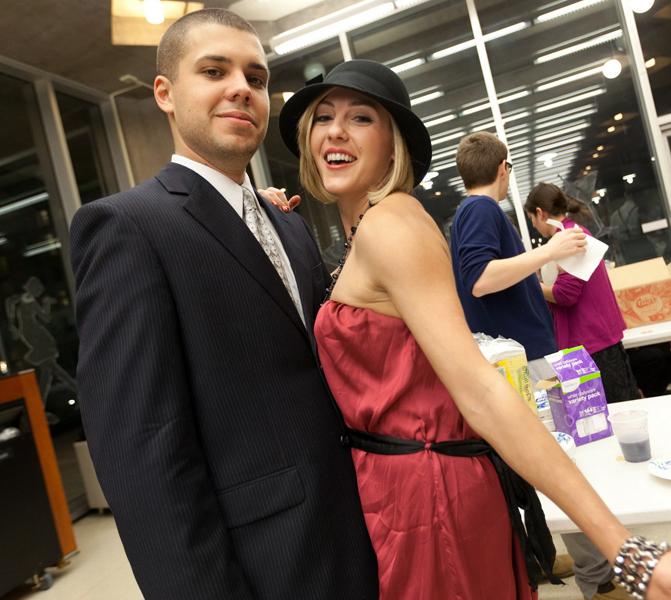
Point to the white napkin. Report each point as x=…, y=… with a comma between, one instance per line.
x=582, y=265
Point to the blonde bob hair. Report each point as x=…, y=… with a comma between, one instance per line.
x=399, y=178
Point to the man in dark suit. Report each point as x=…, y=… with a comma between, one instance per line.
x=212, y=430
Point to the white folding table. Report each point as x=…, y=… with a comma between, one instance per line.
x=633, y=494
x=645, y=335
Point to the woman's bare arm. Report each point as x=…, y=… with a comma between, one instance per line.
x=403, y=252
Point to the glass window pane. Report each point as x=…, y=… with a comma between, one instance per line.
x=87, y=143
x=37, y=328
x=653, y=30
x=432, y=49
x=582, y=127
x=287, y=77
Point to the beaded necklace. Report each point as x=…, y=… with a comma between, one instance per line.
x=345, y=254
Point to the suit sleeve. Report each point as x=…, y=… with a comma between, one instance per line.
x=479, y=241
x=138, y=415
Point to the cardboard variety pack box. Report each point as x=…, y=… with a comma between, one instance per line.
x=643, y=291
x=577, y=399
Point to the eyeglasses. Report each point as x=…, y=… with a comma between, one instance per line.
x=509, y=166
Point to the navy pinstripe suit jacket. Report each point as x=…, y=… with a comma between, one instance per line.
x=212, y=430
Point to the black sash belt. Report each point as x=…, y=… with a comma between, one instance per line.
x=534, y=535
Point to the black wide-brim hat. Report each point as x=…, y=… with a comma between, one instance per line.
x=376, y=81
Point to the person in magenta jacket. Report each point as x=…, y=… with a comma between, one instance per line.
x=584, y=312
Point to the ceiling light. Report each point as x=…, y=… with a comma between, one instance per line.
x=153, y=12
x=430, y=175
x=611, y=68
x=41, y=247
x=570, y=99
x=403, y=4
x=519, y=144
x=499, y=33
x=565, y=117
x=287, y=95
x=572, y=47
x=568, y=79
x=601, y=192
x=474, y=109
x=641, y=6
x=516, y=116
x=599, y=148
x=595, y=155
x=560, y=132
x=427, y=185
x=409, y=64
x=426, y=97
x=11, y=207
x=136, y=22
x=629, y=178
x=330, y=26
x=611, y=129
x=565, y=10
x=452, y=50
x=618, y=116
x=564, y=142
x=432, y=122
x=493, y=35
x=651, y=62
x=436, y=193
x=450, y=135
x=519, y=132
x=588, y=168
x=596, y=199
x=444, y=153
x=515, y=96
x=444, y=166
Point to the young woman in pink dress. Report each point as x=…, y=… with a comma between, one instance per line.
x=416, y=393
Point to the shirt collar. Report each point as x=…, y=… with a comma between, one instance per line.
x=228, y=188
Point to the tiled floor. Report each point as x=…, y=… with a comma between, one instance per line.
x=101, y=571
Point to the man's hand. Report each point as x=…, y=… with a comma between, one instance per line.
x=278, y=198
x=566, y=243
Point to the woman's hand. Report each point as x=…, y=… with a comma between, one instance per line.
x=278, y=198
x=660, y=584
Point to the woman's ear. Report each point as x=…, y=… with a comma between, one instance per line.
x=540, y=215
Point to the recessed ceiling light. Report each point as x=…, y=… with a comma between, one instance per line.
x=618, y=116
x=599, y=148
x=641, y=6
x=611, y=129
x=651, y=62
x=611, y=68
x=595, y=155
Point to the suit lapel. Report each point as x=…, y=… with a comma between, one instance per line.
x=217, y=216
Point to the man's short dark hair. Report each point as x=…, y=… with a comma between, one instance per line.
x=171, y=49
x=479, y=155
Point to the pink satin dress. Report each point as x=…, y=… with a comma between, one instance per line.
x=439, y=524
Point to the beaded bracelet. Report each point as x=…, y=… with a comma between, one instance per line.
x=635, y=562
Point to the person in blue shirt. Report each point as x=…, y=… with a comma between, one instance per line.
x=496, y=279
x=501, y=295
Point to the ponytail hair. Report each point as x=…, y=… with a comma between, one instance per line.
x=552, y=200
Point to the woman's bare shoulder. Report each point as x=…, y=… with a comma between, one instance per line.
x=395, y=223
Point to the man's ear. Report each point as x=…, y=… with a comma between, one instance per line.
x=163, y=94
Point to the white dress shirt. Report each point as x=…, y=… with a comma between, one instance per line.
x=232, y=192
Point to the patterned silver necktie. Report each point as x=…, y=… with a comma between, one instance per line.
x=259, y=228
